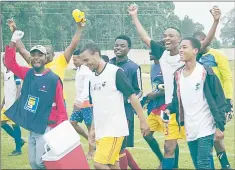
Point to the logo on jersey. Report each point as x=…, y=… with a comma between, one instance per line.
x=197, y=86
x=43, y=89
x=31, y=104
x=98, y=86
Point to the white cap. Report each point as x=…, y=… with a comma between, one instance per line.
x=40, y=48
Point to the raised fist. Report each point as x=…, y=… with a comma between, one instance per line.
x=216, y=13
x=17, y=35
x=12, y=25
x=133, y=9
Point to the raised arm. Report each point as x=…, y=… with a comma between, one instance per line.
x=216, y=13
x=10, y=56
x=75, y=40
x=133, y=9
x=19, y=44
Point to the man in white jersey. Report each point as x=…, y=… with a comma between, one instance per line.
x=12, y=88
x=204, y=113
x=170, y=62
x=108, y=87
x=82, y=108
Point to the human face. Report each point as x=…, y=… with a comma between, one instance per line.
x=77, y=61
x=187, y=52
x=50, y=54
x=121, y=48
x=38, y=60
x=90, y=60
x=201, y=39
x=171, y=39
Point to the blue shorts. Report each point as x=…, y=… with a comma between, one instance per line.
x=83, y=114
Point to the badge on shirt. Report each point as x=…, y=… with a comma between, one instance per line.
x=198, y=86
x=43, y=88
x=31, y=104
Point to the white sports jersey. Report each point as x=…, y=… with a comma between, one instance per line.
x=108, y=104
x=9, y=88
x=198, y=119
x=169, y=64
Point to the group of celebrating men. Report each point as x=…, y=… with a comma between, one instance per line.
x=191, y=97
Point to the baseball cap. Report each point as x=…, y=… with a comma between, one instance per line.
x=40, y=48
x=76, y=52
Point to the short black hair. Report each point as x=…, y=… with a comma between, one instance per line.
x=175, y=29
x=92, y=48
x=105, y=58
x=195, y=42
x=125, y=37
x=49, y=48
x=199, y=34
x=76, y=52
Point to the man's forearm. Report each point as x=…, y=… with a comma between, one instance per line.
x=157, y=95
x=137, y=107
x=141, y=31
x=12, y=44
x=23, y=51
x=206, y=42
x=73, y=45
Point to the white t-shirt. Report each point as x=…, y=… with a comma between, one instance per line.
x=169, y=64
x=82, y=83
x=108, y=104
x=9, y=88
x=198, y=119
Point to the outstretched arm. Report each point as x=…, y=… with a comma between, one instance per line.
x=75, y=40
x=216, y=13
x=19, y=44
x=10, y=56
x=133, y=9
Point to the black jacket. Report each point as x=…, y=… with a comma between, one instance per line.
x=214, y=94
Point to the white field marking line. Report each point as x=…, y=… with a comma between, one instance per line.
x=182, y=149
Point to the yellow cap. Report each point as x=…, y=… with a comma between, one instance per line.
x=78, y=15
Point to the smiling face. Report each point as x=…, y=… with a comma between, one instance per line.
x=171, y=39
x=187, y=52
x=121, y=48
x=90, y=60
x=50, y=54
x=77, y=61
x=38, y=59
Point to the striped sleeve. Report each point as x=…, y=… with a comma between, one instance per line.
x=137, y=82
x=17, y=80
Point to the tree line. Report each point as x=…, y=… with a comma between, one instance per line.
x=52, y=23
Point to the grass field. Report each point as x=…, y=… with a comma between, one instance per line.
x=142, y=154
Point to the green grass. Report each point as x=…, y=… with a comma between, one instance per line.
x=142, y=154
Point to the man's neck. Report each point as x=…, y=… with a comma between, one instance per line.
x=190, y=65
x=174, y=51
x=40, y=71
x=101, y=67
x=207, y=49
x=120, y=59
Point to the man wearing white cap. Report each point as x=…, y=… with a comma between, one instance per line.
x=41, y=104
